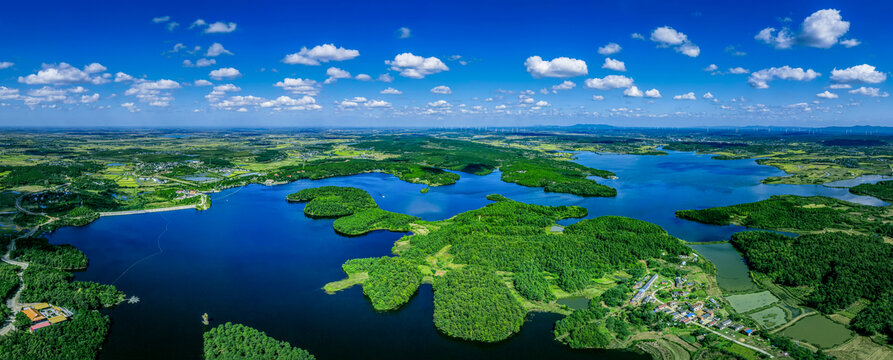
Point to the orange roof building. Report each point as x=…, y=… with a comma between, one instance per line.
x=57, y=319
x=33, y=314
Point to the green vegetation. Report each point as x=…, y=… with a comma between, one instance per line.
x=743, y=303
x=39, y=251
x=333, y=201
x=778, y=212
x=372, y=219
x=79, y=338
x=882, y=190
x=562, y=177
x=818, y=330
x=392, y=282
x=876, y=318
x=473, y=304
x=47, y=284
x=235, y=341
x=9, y=280
x=532, y=284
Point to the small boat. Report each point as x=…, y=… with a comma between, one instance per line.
x=205, y=319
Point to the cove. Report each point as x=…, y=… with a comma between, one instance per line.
x=254, y=258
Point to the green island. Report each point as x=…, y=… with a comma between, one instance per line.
x=236, y=341
x=838, y=263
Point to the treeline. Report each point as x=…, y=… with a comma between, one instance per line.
x=392, y=282
x=48, y=284
x=79, y=338
x=235, y=341
x=372, y=219
x=793, y=350
x=782, y=212
x=473, y=303
x=40, y=251
x=584, y=328
x=532, y=284
x=841, y=267
x=45, y=174
x=404, y=170
x=333, y=201
x=558, y=176
x=882, y=190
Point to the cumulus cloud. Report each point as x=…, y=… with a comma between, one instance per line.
x=827, y=95
x=320, y=54
x=377, y=104
x=609, y=82
x=363, y=77
x=385, y=78
x=711, y=67
x=566, y=85
x=611, y=48
x=67, y=74
x=637, y=36
x=199, y=63
x=416, y=67
x=335, y=74
x=302, y=103
x=612, y=64
x=299, y=86
x=154, y=93
x=858, y=74
x=823, y=29
x=666, y=36
x=633, y=91
x=130, y=107
x=5, y=64
x=220, y=27
x=869, y=91
x=760, y=79
x=161, y=19
x=707, y=95
x=442, y=89
x=597, y=98
x=850, y=42
x=225, y=73
x=562, y=67
x=122, y=77
x=198, y=23
x=403, y=33
x=653, y=93
x=391, y=91
x=87, y=99
x=738, y=70
x=687, y=96
x=202, y=82
x=840, y=86
x=216, y=49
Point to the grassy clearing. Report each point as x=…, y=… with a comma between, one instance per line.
x=862, y=347
x=352, y=279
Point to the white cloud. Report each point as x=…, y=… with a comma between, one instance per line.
x=299, y=86
x=860, y=73
x=66, y=74
x=566, y=85
x=827, y=95
x=416, y=67
x=172, y=25
x=653, y=93
x=78, y=90
x=391, y=91
x=8, y=94
x=403, y=32
x=161, y=19
x=822, y=29
x=220, y=27
x=711, y=67
x=708, y=95
x=597, y=98
x=285, y=101
x=439, y=104
x=850, y=42
x=499, y=107
x=542, y=103
x=320, y=54
x=86, y=99
x=760, y=79
x=377, y=104
x=562, y=67
x=666, y=36
x=615, y=65
x=840, y=86
x=198, y=23
x=5, y=64
x=609, y=82
x=869, y=91
x=385, y=78
x=442, y=89
x=225, y=73
x=611, y=48
x=130, y=107
x=633, y=91
x=205, y=62
x=686, y=96
x=738, y=70
x=637, y=36
x=122, y=77
x=202, y=82
x=155, y=93
x=335, y=74
x=216, y=49
x=363, y=77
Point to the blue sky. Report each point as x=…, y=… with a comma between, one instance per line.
x=457, y=63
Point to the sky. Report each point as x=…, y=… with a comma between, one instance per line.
x=445, y=64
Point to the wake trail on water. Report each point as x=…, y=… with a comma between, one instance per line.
x=159, y=252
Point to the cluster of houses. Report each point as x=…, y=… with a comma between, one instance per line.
x=689, y=313
x=185, y=194
x=642, y=296
x=43, y=315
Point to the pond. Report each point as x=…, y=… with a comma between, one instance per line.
x=254, y=258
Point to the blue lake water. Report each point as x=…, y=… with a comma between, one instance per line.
x=254, y=258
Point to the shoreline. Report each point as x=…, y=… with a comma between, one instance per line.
x=199, y=206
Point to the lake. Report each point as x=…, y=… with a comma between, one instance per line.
x=254, y=258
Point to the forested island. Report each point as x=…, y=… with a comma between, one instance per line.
x=236, y=341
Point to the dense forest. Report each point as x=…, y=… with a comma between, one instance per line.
x=333, y=201
x=235, y=341
x=48, y=284
x=40, y=251
x=474, y=304
x=842, y=268
x=392, y=282
x=372, y=219
x=882, y=190
x=77, y=339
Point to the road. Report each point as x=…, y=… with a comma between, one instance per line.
x=735, y=341
x=146, y=211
